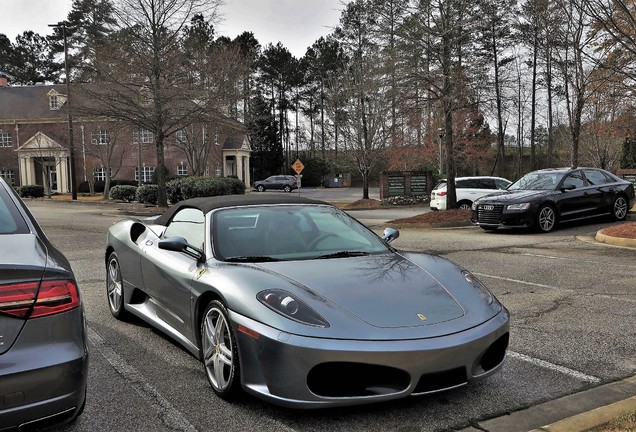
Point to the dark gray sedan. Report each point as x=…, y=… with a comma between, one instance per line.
x=43, y=350
x=295, y=302
x=544, y=198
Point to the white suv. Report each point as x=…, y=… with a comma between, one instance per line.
x=468, y=189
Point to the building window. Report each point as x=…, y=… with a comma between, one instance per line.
x=54, y=102
x=181, y=136
x=100, y=137
x=146, y=174
x=99, y=174
x=182, y=170
x=8, y=176
x=5, y=139
x=144, y=136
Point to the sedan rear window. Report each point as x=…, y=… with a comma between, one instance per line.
x=11, y=221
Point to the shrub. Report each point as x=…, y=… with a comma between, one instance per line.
x=147, y=194
x=183, y=188
x=31, y=191
x=124, y=193
x=405, y=200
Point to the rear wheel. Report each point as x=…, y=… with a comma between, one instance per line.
x=546, y=219
x=619, y=211
x=220, y=353
x=115, y=288
x=464, y=205
x=287, y=188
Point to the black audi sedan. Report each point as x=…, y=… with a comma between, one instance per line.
x=542, y=199
x=43, y=344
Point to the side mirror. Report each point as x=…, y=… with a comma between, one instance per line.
x=568, y=188
x=180, y=244
x=390, y=234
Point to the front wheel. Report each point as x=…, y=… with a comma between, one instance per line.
x=287, y=189
x=115, y=288
x=546, y=219
x=220, y=353
x=260, y=188
x=619, y=211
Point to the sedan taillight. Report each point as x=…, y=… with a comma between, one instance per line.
x=22, y=300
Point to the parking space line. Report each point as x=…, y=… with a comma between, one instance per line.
x=515, y=280
x=555, y=367
x=168, y=414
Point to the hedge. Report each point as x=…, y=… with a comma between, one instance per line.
x=147, y=194
x=31, y=191
x=126, y=193
x=191, y=187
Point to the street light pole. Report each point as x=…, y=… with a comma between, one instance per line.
x=71, y=146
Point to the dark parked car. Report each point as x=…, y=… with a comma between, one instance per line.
x=43, y=351
x=278, y=182
x=544, y=198
x=299, y=304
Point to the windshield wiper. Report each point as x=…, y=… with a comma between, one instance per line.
x=260, y=258
x=343, y=254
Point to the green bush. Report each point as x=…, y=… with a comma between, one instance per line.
x=183, y=188
x=31, y=191
x=147, y=194
x=126, y=193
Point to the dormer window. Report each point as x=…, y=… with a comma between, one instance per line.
x=54, y=102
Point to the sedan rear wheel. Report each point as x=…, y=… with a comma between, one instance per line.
x=220, y=354
x=546, y=219
x=115, y=288
x=620, y=208
x=287, y=189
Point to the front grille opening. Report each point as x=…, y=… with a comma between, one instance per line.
x=344, y=379
x=493, y=356
x=436, y=381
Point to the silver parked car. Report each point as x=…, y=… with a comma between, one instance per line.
x=299, y=304
x=285, y=183
x=43, y=350
x=467, y=190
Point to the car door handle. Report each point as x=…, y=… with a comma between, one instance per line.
x=148, y=242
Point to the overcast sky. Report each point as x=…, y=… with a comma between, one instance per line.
x=295, y=23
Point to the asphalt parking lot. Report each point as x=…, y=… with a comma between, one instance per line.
x=572, y=303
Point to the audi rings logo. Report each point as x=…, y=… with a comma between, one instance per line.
x=488, y=207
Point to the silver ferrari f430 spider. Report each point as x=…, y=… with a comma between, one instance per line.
x=295, y=302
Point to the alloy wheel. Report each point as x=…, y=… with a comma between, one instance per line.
x=218, y=350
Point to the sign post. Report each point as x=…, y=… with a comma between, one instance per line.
x=298, y=167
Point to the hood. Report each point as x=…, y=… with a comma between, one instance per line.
x=22, y=258
x=517, y=196
x=384, y=291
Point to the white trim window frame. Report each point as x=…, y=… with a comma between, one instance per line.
x=5, y=139
x=100, y=137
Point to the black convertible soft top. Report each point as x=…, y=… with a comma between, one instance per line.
x=206, y=204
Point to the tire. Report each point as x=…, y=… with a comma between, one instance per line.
x=115, y=288
x=260, y=188
x=546, y=219
x=219, y=351
x=464, y=205
x=287, y=188
x=619, y=209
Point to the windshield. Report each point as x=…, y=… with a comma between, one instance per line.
x=289, y=232
x=537, y=181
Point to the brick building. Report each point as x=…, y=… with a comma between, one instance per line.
x=34, y=144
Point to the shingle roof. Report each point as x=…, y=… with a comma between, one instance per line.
x=30, y=103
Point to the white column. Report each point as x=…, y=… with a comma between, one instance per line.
x=61, y=164
x=239, y=166
x=30, y=169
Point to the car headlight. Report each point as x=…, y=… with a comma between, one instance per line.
x=291, y=307
x=479, y=287
x=522, y=206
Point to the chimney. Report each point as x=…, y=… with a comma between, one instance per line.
x=4, y=80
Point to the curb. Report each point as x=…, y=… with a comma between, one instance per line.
x=577, y=412
x=615, y=241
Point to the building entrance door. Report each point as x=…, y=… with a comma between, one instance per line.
x=50, y=173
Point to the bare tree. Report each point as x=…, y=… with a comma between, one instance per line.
x=145, y=78
x=106, y=147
